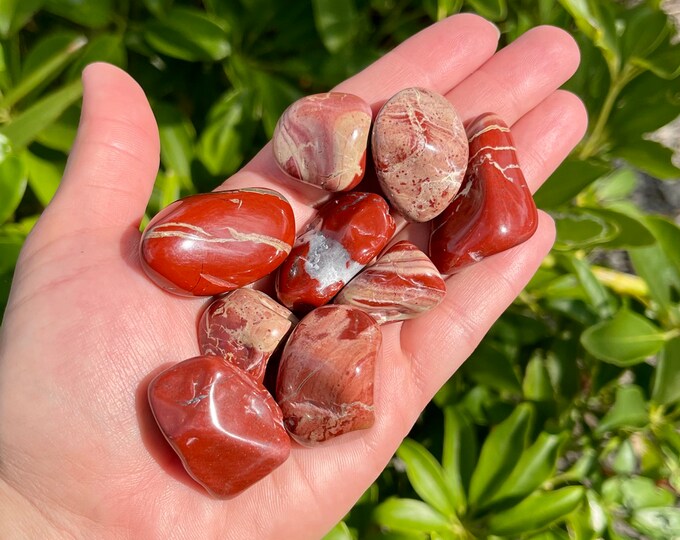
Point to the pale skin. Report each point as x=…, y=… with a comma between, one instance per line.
x=80, y=456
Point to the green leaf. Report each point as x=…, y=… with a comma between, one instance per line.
x=43, y=177
x=61, y=134
x=458, y=454
x=177, y=136
x=45, y=61
x=275, y=95
x=625, y=460
x=597, y=294
x=625, y=340
x=666, y=389
x=427, y=476
x=653, y=265
x=339, y=532
x=667, y=234
x=15, y=13
x=336, y=22
x=665, y=63
x=536, y=464
x=659, y=523
x=24, y=128
x=597, y=23
x=409, y=515
x=645, y=30
x=492, y=367
x=499, y=454
x=12, y=181
x=639, y=492
x=189, y=34
x=92, y=14
x=495, y=10
x=650, y=157
x=229, y=132
x=629, y=410
x=630, y=231
x=536, y=385
x=570, y=178
x=538, y=510
x=580, y=229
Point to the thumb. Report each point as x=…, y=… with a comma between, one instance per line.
x=114, y=160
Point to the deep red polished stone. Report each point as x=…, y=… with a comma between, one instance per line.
x=226, y=428
x=245, y=327
x=493, y=211
x=325, y=383
x=211, y=243
x=420, y=152
x=402, y=284
x=346, y=234
x=321, y=140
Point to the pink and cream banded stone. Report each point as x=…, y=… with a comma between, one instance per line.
x=321, y=140
x=244, y=327
x=402, y=284
x=420, y=152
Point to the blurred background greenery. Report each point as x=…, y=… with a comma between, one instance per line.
x=564, y=423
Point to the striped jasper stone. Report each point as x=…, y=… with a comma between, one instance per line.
x=402, y=284
x=493, y=211
x=212, y=243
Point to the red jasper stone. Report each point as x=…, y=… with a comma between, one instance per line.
x=321, y=140
x=325, y=383
x=346, y=234
x=211, y=243
x=225, y=427
x=420, y=152
x=244, y=327
x=493, y=211
x=402, y=284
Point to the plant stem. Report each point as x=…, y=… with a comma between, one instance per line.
x=621, y=282
x=617, y=84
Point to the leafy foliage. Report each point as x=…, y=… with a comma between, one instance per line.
x=563, y=424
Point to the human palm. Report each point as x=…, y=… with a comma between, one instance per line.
x=79, y=451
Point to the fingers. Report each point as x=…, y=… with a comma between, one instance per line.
x=520, y=76
x=438, y=57
x=114, y=161
x=436, y=344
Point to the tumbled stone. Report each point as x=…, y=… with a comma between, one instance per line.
x=245, y=327
x=321, y=140
x=420, y=152
x=345, y=235
x=212, y=243
x=325, y=383
x=493, y=211
x=225, y=427
x=402, y=284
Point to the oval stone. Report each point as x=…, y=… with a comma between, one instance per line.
x=402, y=284
x=225, y=427
x=420, y=152
x=493, y=211
x=321, y=140
x=345, y=235
x=212, y=243
x=244, y=327
x=325, y=382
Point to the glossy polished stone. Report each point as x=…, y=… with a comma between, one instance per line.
x=212, y=243
x=493, y=211
x=420, y=152
x=325, y=383
x=321, y=140
x=225, y=427
x=402, y=284
x=245, y=327
x=345, y=235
